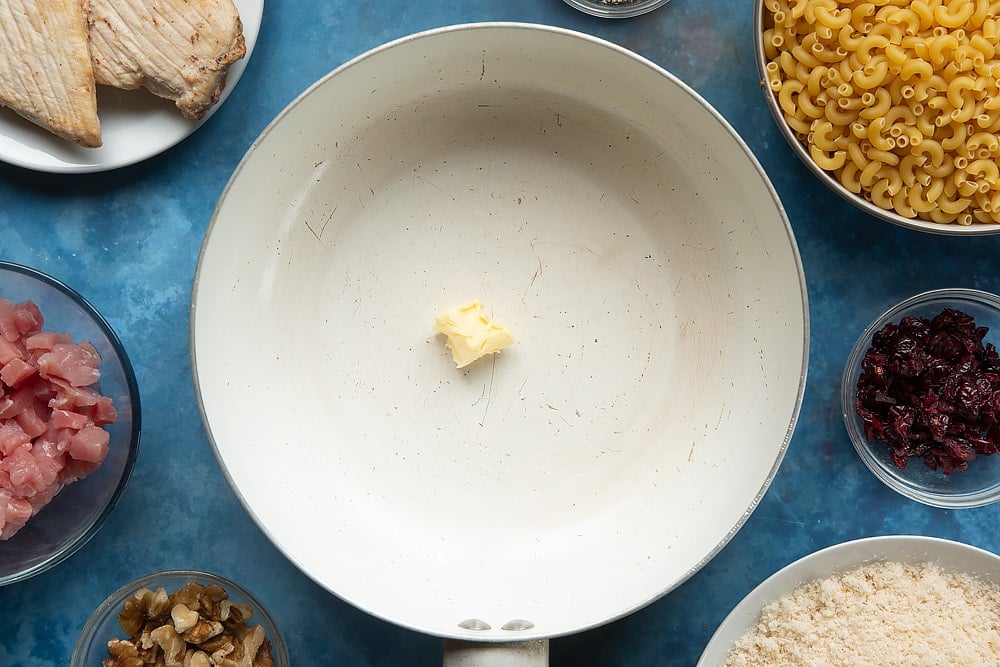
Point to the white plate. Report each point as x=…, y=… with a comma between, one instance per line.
x=602, y=211
x=912, y=549
x=135, y=124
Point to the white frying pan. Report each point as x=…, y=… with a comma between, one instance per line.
x=606, y=215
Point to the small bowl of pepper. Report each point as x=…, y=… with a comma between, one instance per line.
x=616, y=9
x=921, y=398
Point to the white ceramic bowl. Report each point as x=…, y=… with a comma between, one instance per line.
x=603, y=212
x=911, y=549
x=976, y=486
x=761, y=21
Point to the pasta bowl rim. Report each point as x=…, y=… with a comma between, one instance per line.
x=908, y=481
x=917, y=224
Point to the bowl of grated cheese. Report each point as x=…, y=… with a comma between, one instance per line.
x=894, y=110
x=887, y=600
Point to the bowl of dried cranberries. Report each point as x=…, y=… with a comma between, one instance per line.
x=921, y=398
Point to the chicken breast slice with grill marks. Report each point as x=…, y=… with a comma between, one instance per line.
x=45, y=69
x=178, y=49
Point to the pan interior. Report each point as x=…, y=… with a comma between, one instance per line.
x=607, y=217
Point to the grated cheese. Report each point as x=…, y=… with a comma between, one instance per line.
x=883, y=613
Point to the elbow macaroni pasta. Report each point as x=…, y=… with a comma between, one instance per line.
x=898, y=99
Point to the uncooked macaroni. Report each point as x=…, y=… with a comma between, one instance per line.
x=898, y=99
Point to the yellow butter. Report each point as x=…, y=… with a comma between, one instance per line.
x=470, y=333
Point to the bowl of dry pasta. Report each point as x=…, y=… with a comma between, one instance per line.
x=895, y=107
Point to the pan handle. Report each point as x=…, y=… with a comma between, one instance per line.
x=533, y=653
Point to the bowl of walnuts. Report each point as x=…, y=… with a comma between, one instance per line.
x=895, y=109
x=180, y=617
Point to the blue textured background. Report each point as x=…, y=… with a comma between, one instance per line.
x=129, y=239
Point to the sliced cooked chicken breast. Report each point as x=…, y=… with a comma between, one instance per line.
x=177, y=49
x=45, y=68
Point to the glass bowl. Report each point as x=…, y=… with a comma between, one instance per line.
x=91, y=646
x=616, y=9
x=762, y=21
x=976, y=486
x=79, y=510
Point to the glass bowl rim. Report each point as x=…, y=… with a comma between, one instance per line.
x=855, y=431
x=620, y=10
x=112, y=602
x=69, y=548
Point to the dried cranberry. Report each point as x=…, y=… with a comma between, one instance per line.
x=930, y=389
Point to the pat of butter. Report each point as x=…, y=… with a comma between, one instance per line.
x=471, y=334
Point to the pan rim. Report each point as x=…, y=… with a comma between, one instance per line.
x=528, y=634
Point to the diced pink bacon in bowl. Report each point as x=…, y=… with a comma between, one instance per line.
x=52, y=416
